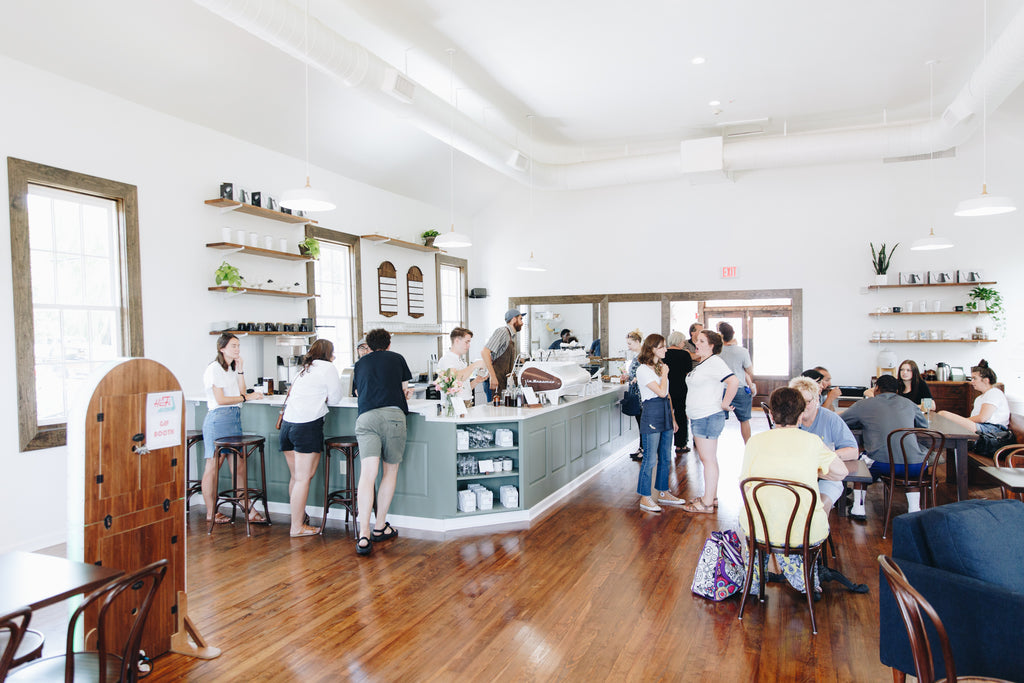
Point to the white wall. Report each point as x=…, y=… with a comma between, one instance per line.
x=175, y=165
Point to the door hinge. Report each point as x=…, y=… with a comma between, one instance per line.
x=174, y=539
x=99, y=417
x=99, y=478
x=174, y=462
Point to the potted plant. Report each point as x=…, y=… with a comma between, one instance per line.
x=310, y=246
x=880, y=262
x=987, y=299
x=229, y=274
x=428, y=237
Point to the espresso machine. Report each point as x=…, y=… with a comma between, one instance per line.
x=290, y=352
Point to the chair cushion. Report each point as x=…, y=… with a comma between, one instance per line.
x=983, y=539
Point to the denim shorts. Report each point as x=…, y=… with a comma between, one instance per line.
x=830, y=489
x=303, y=437
x=381, y=432
x=218, y=423
x=741, y=402
x=709, y=427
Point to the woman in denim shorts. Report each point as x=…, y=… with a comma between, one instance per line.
x=710, y=388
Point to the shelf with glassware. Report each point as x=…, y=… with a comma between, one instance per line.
x=258, y=251
x=401, y=243
x=489, y=459
x=241, y=207
x=933, y=284
x=926, y=336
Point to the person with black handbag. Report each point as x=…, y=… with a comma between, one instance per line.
x=657, y=424
x=631, y=402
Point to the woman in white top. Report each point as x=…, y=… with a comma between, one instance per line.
x=302, y=428
x=991, y=414
x=710, y=389
x=224, y=384
x=657, y=424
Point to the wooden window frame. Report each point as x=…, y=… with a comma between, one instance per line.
x=20, y=174
x=443, y=342
x=338, y=237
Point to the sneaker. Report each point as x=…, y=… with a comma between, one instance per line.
x=867, y=461
x=646, y=503
x=666, y=498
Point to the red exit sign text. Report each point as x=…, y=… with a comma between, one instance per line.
x=729, y=271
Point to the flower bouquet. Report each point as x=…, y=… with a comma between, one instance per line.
x=448, y=383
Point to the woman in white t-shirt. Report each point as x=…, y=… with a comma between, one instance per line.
x=302, y=427
x=710, y=389
x=991, y=414
x=657, y=424
x=224, y=384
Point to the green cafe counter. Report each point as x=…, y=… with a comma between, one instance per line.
x=555, y=449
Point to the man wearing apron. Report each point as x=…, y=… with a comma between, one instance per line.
x=500, y=352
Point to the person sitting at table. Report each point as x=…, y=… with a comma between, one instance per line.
x=911, y=384
x=876, y=417
x=829, y=393
x=830, y=428
x=563, y=338
x=787, y=452
x=990, y=418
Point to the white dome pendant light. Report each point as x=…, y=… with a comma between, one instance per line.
x=452, y=239
x=986, y=204
x=306, y=198
x=932, y=241
x=531, y=264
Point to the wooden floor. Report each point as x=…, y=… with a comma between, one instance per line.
x=596, y=590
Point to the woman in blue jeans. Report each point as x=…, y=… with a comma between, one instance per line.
x=657, y=424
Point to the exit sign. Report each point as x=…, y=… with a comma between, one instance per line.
x=729, y=271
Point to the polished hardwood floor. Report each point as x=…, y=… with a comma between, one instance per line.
x=595, y=590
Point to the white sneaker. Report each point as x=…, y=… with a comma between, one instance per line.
x=666, y=498
x=646, y=503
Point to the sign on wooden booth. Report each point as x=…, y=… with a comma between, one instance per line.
x=163, y=419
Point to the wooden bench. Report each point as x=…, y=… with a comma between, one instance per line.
x=974, y=475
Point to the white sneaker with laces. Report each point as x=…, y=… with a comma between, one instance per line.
x=666, y=498
x=646, y=503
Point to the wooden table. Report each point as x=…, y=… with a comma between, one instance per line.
x=41, y=580
x=957, y=439
x=859, y=474
x=1010, y=477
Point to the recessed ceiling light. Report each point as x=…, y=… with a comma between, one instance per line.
x=714, y=103
x=698, y=60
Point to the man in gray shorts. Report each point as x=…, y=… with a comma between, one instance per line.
x=381, y=380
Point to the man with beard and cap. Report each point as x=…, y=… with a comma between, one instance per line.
x=500, y=352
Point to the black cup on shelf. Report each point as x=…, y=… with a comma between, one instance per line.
x=958, y=309
x=897, y=309
x=242, y=327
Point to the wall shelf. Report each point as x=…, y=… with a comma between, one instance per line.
x=929, y=341
x=232, y=205
x=242, y=333
x=415, y=334
x=934, y=313
x=400, y=243
x=937, y=284
x=264, y=292
x=491, y=475
x=258, y=251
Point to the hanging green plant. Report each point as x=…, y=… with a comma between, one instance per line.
x=310, y=246
x=988, y=299
x=227, y=273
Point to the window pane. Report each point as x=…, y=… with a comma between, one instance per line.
x=47, y=331
x=69, y=280
x=99, y=290
x=43, y=278
x=333, y=276
x=40, y=222
x=770, y=342
x=97, y=231
x=49, y=394
x=103, y=326
x=66, y=216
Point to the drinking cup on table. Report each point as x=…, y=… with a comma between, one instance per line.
x=927, y=404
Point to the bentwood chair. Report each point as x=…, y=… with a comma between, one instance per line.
x=1010, y=456
x=12, y=629
x=792, y=498
x=121, y=608
x=912, y=604
x=767, y=415
x=911, y=479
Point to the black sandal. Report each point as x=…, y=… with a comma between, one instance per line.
x=364, y=549
x=385, y=534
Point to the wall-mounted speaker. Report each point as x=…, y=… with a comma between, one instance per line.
x=478, y=293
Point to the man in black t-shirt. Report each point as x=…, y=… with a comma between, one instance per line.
x=381, y=380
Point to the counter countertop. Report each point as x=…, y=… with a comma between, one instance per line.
x=476, y=414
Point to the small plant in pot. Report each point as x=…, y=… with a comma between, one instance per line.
x=880, y=261
x=988, y=299
x=428, y=237
x=311, y=247
x=227, y=273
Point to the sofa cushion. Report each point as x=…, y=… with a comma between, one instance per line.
x=983, y=539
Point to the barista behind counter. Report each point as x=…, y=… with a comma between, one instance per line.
x=500, y=353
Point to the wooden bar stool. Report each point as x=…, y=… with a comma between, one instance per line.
x=242, y=447
x=192, y=486
x=346, y=496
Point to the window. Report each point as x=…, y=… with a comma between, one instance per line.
x=452, y=304
x=337, y=310
x=77, y=303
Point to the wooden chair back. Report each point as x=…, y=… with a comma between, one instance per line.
x=1010, y=456
x=912, y=604
x=767, y=415
x=12, y=629
x=932, y=443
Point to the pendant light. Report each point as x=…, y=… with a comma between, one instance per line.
x=985, y=204
x=932, y=241
x=306, y=198
x=452, y=239
x=531, y=264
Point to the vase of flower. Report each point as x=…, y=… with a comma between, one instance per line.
x=450, y=386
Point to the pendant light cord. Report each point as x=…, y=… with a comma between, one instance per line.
x=984, y=105
x=305, y=49
x=451, y=138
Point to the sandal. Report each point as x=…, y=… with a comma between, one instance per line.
x=255, y=517
x=385, y=534
x=220, y=518
x=697, y=506
x=364, y=549
x=305, y=531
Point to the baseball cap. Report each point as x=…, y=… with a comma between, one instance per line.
x=512, y=313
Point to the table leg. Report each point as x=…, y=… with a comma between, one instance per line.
x=957, y=449
x=841, y=503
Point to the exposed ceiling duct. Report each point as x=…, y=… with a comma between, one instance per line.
x=279, y=23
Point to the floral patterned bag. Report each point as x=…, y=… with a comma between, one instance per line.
x=720, y=569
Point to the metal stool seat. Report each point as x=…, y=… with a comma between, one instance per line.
x=242, y=446
x=192, y=486
x=345, y=496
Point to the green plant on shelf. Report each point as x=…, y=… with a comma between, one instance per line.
x=311, y=246
x=428, y=237
x=988, y=299
x=227, y=273
x=881, y=261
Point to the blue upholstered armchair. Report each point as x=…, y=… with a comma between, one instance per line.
x=967, y=560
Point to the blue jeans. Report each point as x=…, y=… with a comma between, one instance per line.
x=662, y=443
x=220, y=423
x=487, y=390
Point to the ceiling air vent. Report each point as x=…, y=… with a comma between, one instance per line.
x=398, y=86
x=518, y=160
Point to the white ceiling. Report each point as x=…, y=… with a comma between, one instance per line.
x=601, y=78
